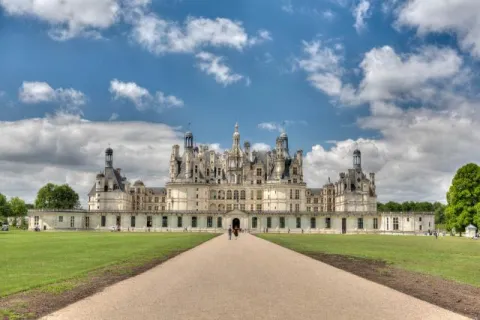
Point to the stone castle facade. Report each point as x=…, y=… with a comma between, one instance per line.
x=250, y=189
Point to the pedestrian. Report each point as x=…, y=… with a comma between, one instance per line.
x=230, y=233
x=436, y=235
x=235, y=232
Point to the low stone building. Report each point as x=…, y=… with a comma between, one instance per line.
x=256, y=190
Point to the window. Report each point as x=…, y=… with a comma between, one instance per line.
x=375, y=223
x=297, y=207
x=291, y=207
x=309, y=200
x=259, y=181
x=219, y=222
x=149, y=222
x=294, y=170
x=420, y=227
x=291, y=194
x=229, y=195
x=242, y=195
x=315, y=209
x=251, y=194
x=387, y=223
x=87, y=222
x=194, y=222
x=149, y=208
x=299, y=222
x=408, y=219
x=132, y=221
x=395, y=223
x=36, y=219
x=164, y=222
x=297, y=194
x=72, y=222
x=60, y=219
x=196, y=180
x=242, y=207
x=169, y=193
x=179, y=222
x=208, y=172
x=259, y=207
x=313, y=223
x=315, y=200
x=309, y=209
x=429, y=224
x=295, y=180
x=156, y=208
x=196, y=169
x=229, y=207
x=163, y=208
x=156, y=199
x=104, y=221
x=259, y=172
x=209, y=222
x=254, y=222
x=420, y=219
x=235, y=195
x=196, y=196
x=360, y=223
x=328, y=223
x=259, y=194
x=282, y=222
x=163, y=199
x=251, y=207
x=235, y=206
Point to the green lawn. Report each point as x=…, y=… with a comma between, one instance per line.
x=452, y=258
x=34, y=259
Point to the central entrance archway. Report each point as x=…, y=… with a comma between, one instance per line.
x=236, y=223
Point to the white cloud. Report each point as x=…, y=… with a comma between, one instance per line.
x=213, y=65
x=37, y=92
x=65, y=148
x=113, y=117
x=322, y=65
x=459, y=16
x=141, y=97
x=161, y=36
x=361, y=12
x=68, y=18
x=260, y=146
x=328, y=15
x=275, y=126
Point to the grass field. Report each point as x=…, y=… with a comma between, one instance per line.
x=35, y=259
x=448, y=257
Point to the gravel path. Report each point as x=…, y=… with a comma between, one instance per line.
x=248, y=278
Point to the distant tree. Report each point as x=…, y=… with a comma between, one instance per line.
x=5, y=209
x=52, y=196
x=380, y=207
x=30, y=206
x=463, y=205
x=393, y=206
x=18, y=207
x=439, y=209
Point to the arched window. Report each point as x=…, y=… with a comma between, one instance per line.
x=229, y=195
x=235, y=195
x=213, y=194
x=242, y=195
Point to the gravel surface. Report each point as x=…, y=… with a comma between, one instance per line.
x=248, y=278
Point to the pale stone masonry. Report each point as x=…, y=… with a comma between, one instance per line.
x=254, y=190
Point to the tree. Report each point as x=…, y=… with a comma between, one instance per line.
x=5, y=210
x=52, y=196
x=18, y=207
x=463, y=198
x=439, y=210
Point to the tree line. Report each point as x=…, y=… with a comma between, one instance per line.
x=50, y=196
x=412, y=206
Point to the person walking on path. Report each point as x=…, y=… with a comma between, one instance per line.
x=230, y=233
x=235, y=232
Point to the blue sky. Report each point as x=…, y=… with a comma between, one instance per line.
x=379, y=75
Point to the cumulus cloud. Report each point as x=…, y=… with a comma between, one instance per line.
x=141, y=97
x=65, y=148
x=433, y=16
x=37, y=92
x=68, y=18
x=113, y=117
x=161, y=36
x=276, y=126
x=215, y=66
x=361, y=12
x=260, y=146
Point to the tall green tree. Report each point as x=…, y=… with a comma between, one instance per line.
x=439, y=209
x=5, y=210
x=463, y=198
x=18, y=207
x=52, y=196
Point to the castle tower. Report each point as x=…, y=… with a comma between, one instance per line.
x=280, y=158
x=109, y=158
x=246, y=149
x=173, y=162
x=357, y=159
x=188, y=154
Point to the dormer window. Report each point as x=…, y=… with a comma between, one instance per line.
x=294, y=170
